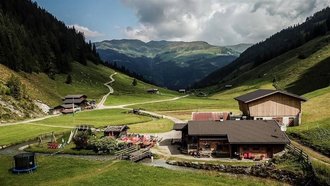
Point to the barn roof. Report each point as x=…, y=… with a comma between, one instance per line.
x=209, y=116
x=241, y=132
x=75, y=101
x=75, y=96
x=258, y=94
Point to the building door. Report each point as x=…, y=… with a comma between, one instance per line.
x=269, y=152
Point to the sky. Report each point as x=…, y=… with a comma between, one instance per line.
x=218, y=22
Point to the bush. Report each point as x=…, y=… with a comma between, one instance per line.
x=16, y=89
x=104, y=145
x=81, y=140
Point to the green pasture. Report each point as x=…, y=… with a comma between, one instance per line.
x=72, y=171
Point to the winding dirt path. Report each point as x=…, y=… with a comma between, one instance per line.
x=104, y=98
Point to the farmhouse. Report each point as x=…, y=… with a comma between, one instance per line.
x=116, y=131
x=233, y=139
x=65, y=109
x=210, y=116
x=276, y=105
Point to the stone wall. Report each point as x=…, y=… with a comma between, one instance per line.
x=264, y=170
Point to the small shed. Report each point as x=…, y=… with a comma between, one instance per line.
x=182, y=91
x=153, y=91
x=116, y=131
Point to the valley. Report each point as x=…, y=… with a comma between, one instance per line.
x=79, y=105
x=149, y=60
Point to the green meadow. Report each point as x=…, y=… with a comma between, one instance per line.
x=126, y=93
x=99, y=118
x=73, y=171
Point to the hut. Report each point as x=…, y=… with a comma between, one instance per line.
x=276, y=105
x=182, y=91
x=153, y=91
x=116, y=131
x=233, y=139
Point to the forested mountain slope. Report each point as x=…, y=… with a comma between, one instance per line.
x=32, y=40
x=280, y=43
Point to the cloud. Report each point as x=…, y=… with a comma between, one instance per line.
x=87, y=32
x=220, y=22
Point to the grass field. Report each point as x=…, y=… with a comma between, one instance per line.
x=192, y=103
x=70, y=171
x=125, y=92
x=98, y=118
x=154, y=126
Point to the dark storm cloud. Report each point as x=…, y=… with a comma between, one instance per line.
x=219, y=22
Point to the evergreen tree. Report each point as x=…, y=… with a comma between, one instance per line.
x=134, y=82
x=68, y=79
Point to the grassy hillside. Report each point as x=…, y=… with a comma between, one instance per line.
x=85, y=80
x=125, y=92
x=287, y=40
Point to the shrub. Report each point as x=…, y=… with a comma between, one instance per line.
x=81, y=140
x=104, y=145
x=16, y=89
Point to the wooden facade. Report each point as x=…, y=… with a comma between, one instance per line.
x=272, y=106
x=249, y=139
x=275, y=105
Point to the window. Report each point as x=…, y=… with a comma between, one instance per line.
x=255, y=148
x=245, y=148
x=260, y=119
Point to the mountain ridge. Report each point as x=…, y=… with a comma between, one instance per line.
x=185, y=62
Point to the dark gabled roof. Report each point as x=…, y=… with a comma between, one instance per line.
x=116, y=128
x=241, y=132
x=75, y=101
x=179, y=126
x=258, y=94
x=75, y=96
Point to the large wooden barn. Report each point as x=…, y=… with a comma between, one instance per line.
x=233, y=139
x=276, y=105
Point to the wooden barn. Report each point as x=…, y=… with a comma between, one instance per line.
x=276, y=105
x=116, y=131
x=233, y=139
x=65, y=109
x=79, y=100
x=210, y=116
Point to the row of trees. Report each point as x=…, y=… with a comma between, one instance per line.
x=281, y=42
x=32, y=40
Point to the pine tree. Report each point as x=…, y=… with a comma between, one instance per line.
x=68, y=79
x=134, y=82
